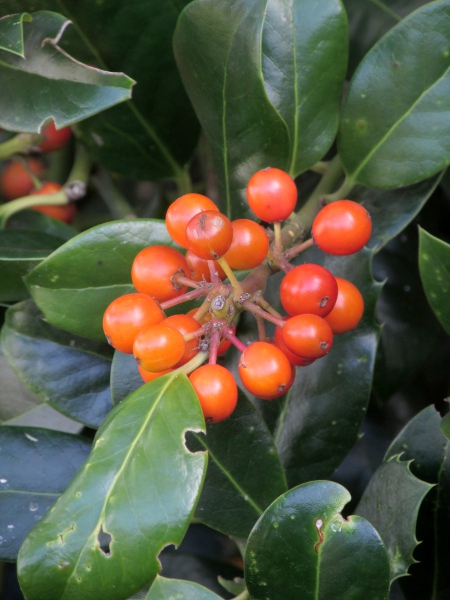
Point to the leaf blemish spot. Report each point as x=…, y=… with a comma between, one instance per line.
x=318, y=524
x=104, y=541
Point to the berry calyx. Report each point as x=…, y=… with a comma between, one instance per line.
x=265, y=370
x=308, y=335
x=181, y=211
x=348, y=309
x=308, y=288
x=342, y=227
x=126, y=316
x=271, y=194
x=153, y=270
x=216, y=390
x=209, y=235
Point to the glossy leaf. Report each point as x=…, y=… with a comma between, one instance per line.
x=304, y=62
x=302, y=547
x=167, y=589
x=15, y=398
x=434, y=265
x=32, y=220
x=125, y=377
x=445, y=426
x=244, y=471
x=394, y=126
x=75, y=284
x=320, y=417
x=11, y=33
x=134, y=495
x=36, y=466
x=134, y=138
x=20, y=252
x=68, y=90
x=218, y=51
x=73, y=372
x=391, y=503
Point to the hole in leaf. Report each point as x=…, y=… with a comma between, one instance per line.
x=195, y=441
x=104, y=541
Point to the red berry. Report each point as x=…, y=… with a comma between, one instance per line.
x=349, y=307
x=200, y=270
x=181, y=211
x=265, y=370
x=63, y=212
x=294, y=359
x=272, y=194
x=158, y=347
x=308, y=288
x=153, y=269
x=15, y=180
x=342, y=227
x=54, y=139
x=209, y=235
x=126, y=316
x=308, y=335
x=185, y=324
x=249, y=246
x=216, y=390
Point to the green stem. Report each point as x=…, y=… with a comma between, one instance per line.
x=242, y=596
x=231, y=276
x=117, y=204
x=81, y=167
x=342, y=192
x=320, y=167
x=20, y=143
x=8, y=209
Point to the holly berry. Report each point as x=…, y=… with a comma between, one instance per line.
x=209, y=235
x=149, y=376
x=153, y=269
x=272, y=194
x=342, y=227
x=249, y=245
x=185, y=324
x=126, y=316
x=63, y=212
x=349, y=307
x=200, y=269
x=308, y=288
x=294, y=359
x=265, y=370
x=54, y=139
x=216, y=390
x=181, y=211
x=158, y=347
x=15, y=179
x=308, y=335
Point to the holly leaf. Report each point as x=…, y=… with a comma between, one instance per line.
x=244, y=471
x=11, y=33
x=218, y=52
x=125, y=377
x=302, y=547
x=20, y=252
x=304, y=62
x=75, y=284
x=31, y=344
x=47, y=83
x=445, y=426
x=134, y=495
x=165, y=589
x=434, y=266
x=36, y=467
x=394, y=126
x=391, y=502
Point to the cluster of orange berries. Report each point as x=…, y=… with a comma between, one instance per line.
x=18, y=177
x=318, y=305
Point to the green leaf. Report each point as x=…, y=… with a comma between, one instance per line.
x=304, y=62
x=302, y=547
x=36, y=467
x=73, y=372
x=445, y=426
x=125, y=377
x=15, y=398
x=218, y=51
x=32, y=220
x=394, y=127
x=244, y=471
x=391, y=502
x=320, y=418
x=434, y=266
x=75, y=284
x=20, y=252
x=134, y=495
x=49, y=83
x=169, y=589
x=11, y=33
